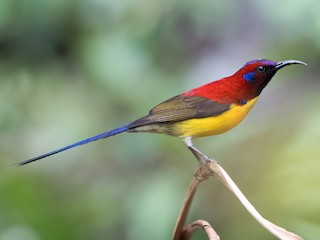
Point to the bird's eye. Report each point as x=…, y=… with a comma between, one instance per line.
x=261, y=69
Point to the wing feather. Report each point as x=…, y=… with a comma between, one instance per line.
x=180, y=108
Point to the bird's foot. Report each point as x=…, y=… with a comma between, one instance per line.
x=203, y=172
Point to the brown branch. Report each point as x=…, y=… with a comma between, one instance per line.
x=200, y=175
x=208, y=168
x=188, y=230
x=277, y=231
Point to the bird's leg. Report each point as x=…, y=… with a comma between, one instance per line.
x=201, y=157
x=203, y=172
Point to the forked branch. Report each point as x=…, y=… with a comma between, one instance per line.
x=207, y=168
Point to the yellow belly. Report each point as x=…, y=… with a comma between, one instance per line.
x=214, y=125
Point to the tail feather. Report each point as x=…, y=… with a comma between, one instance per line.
x=85, y=141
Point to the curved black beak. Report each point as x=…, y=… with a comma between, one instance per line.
x=282, y=64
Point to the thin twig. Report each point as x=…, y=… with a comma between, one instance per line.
x=277, y=231
x=199, y=176
x=188, y=230
x=208, y=168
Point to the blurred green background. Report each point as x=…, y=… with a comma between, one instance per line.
x=70, y=69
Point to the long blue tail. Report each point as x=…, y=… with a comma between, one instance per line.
x=85, y=141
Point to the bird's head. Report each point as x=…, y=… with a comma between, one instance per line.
x=258, y=73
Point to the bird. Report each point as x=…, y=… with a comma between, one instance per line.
x=211, y=109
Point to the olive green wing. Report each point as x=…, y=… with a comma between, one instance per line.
x=180, y=108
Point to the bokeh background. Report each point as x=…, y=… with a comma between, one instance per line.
x=70, y=69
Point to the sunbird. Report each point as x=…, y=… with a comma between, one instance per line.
x=211, y=109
